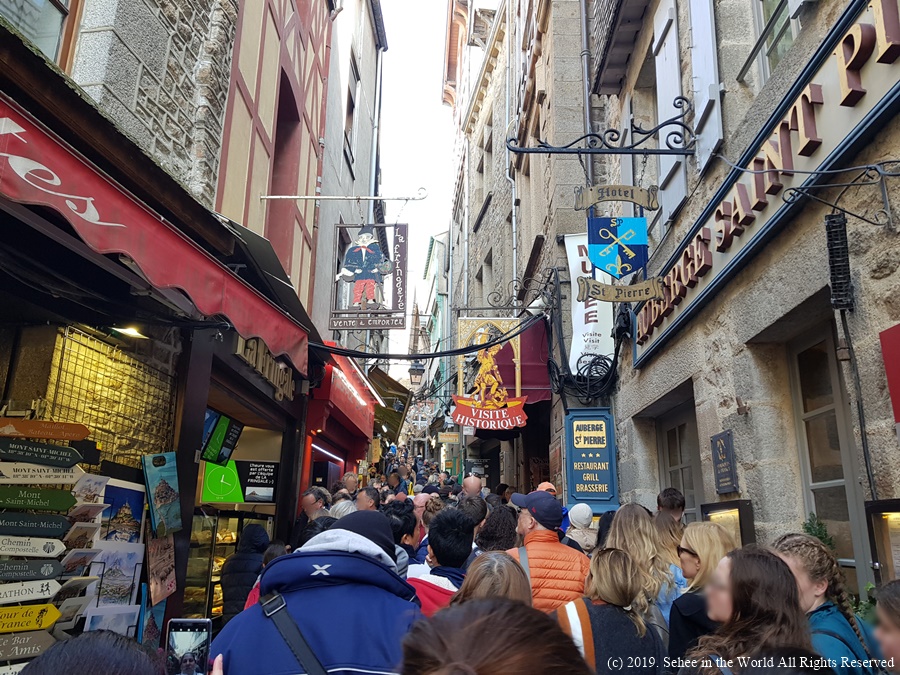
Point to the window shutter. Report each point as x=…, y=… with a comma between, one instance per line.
x=706, y=84
x=626, y=166
x=672, y=168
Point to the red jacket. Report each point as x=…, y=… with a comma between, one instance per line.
x=433, y=592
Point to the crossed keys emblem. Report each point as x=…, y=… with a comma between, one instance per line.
x=617, y=241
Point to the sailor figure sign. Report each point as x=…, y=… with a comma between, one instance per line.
x=365, y=266
x=617, y=246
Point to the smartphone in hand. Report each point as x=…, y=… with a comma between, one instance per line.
x=187, y=646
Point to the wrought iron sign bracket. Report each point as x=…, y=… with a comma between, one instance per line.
x=674, y=133
x=875, y=174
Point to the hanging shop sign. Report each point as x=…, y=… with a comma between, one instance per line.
x=32, y=547
x=26, y=570
x=59, y=431
x=14, y=450
x=890, y=354
x=38, y=524
x=585, y=198
x=34, y=498
x=31, y=474
x=448, y=437
x=848, y=92
x=489, y=406
x=617, y=246
x=370, y=290
x=29, y=617
x=591, y=459
x=590, y=289
x=724, y=465
x=24, y=591
x=274, y=371
x=592, y=322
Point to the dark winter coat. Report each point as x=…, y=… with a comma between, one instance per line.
x=241, y=570
x=688, y=623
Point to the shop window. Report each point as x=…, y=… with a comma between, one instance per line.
x=48, y=24
x=128, y=405
x=820, y=411
x=680, y=457
x=775, y=33
x=351, y=130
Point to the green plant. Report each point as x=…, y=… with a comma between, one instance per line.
x=817, y=528
x=865, y=608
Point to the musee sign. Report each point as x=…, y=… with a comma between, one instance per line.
x=820, y=122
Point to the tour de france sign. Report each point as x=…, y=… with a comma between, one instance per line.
x=849, y=89
x=591, y=459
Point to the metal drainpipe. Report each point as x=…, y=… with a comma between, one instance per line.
x=510, y=33
x=585, y=78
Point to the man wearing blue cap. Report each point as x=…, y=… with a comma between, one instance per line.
x=556, y=572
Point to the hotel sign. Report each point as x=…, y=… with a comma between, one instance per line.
x=591, y=459
x=823, y=119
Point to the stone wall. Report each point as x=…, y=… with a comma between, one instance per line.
x=160, y=69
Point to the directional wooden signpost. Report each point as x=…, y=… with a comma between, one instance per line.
x=33, y=498
x=39, y=524
x=28, y=617
x=25, y=645
x=23, y=591
x=59, y=431
x=32, y=547
x=14, y=473
x=15, y=450
x=26, y=570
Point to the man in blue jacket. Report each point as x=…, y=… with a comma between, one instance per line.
x=350, y=565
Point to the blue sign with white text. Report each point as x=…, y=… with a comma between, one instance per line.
x=617, y=246
x=591, y=459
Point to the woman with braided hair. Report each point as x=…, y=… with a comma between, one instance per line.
x=837, y=633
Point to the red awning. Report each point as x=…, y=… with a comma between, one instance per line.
x=535, y=375
x=41, y=169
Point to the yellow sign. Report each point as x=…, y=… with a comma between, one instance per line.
x=589, y=434
x=29, y=617
x=448, y=437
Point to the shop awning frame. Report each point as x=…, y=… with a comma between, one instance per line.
x=39, y=168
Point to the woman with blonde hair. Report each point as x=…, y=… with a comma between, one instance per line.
x=670, y=532
x=494, y=574
x=607, y=625
x=701, y=548
x=633, y=531
x=837, y=633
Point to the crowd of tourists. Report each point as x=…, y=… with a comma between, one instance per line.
x=416, y=574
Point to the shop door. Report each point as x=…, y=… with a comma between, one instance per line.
x=827, y=456
x=680, y=457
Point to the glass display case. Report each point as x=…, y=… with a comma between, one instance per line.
x=883, y=519
x=196, y=584
x=214, y=537
x=736, y=516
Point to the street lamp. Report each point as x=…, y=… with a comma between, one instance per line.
x=416, y=372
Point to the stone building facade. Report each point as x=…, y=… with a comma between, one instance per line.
x=160, y=70
x=748, y=339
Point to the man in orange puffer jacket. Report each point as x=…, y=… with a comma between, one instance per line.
x=556, y=572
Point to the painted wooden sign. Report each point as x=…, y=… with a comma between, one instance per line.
x=587, y=197
x=589, y=289
x=31, y=546
x=28, y=617
x=15, y=450
x=23, y=591
x=25, y=645
x=35, y=474
x=26, y=570
x=33, y=498
x=38, y=524
x=59, y=431
x=13, y=668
